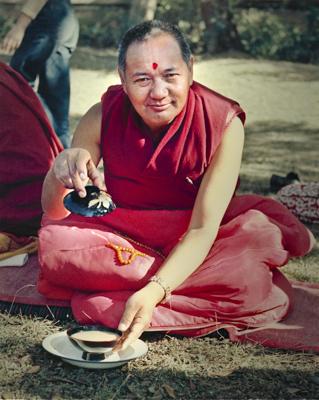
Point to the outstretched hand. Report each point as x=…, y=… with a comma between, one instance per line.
x=137, y=315
x=74, y=167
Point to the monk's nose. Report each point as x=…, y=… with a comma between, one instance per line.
x=159, y=89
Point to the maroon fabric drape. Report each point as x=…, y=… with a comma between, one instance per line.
x=137, y=174
x=28, y=146
x=239, y=283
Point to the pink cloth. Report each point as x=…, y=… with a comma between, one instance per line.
x=298, y=331
x=239, y=282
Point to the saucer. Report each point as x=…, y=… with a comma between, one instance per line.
x=60, y=345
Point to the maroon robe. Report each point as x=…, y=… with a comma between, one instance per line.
x=28, y=146
x=154, y=188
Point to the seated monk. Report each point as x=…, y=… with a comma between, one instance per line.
x=28, y=146
x=181, y=252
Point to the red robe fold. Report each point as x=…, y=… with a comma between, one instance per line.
x=168, y=176
x=238, y=284
x=28, y=146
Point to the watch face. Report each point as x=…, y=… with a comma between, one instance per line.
x=96, y=203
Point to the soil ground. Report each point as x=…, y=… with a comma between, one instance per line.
x=281, y=101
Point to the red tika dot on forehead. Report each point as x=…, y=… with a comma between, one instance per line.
x=154, y=65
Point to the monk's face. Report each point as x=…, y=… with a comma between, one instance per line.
x=157, y=79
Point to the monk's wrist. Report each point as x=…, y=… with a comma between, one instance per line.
x=155, y=293
x=54, y=182
x=160, y=288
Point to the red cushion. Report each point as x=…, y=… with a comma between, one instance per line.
x=80, y=258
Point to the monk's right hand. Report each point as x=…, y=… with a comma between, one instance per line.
x=74, y=167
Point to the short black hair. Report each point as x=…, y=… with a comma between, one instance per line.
x=140, y=32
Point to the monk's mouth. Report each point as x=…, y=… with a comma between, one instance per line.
x=159, y=107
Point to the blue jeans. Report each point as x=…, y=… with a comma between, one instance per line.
x=44, y=53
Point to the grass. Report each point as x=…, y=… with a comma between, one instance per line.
x=277, y=141
x=176, y=368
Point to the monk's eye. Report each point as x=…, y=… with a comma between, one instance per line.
x=142, y=81
x=171, y=76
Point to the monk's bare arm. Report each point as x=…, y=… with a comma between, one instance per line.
x=214, y=195
x=73, y=167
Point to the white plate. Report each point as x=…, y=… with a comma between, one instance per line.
x=60, y=345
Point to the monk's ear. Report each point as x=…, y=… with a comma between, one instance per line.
x=122, y=77
x=190, y=67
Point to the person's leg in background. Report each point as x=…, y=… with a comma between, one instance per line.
x=30, y=58
x=45, y=52
x=54, y=78
x=37, y=45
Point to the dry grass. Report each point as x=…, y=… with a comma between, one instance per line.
x=280, y=138
x=205, y=368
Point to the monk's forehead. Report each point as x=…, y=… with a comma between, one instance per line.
x=156, y=48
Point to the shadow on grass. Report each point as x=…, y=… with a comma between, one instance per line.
x=67, y=382
x=202, y=368
x=88, y=58
x=278, y=147
x=284, y=71
x=173, y=368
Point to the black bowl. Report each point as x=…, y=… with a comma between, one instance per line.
x=96, y=203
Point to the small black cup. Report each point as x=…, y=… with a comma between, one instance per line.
x=93, y=348
x=96, y=203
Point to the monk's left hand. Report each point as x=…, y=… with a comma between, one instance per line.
x=137, y=315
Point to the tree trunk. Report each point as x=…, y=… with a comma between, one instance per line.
x=142, y=10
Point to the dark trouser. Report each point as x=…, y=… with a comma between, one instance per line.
x=45, y=53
